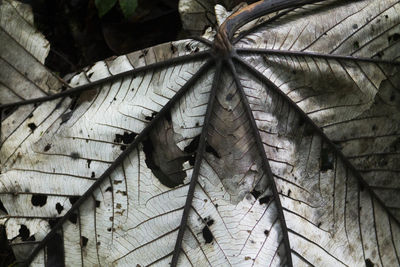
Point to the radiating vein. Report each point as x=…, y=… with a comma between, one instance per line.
x=266, y=51
x=318, y=130
x=265, y=164
x=120, y=158
x=196, y=168
x=92, y=85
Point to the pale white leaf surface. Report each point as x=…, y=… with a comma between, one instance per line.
x=300, y=170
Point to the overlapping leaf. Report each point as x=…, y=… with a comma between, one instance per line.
x=282, y=153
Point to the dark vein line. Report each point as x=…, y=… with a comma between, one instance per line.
x=302, y=258
x=160, y=259
x=196, y=168
x=121, y=157
x=313, y=55
x=394, y=245
x=332, y=27
x=80, y=236
x=319, y=131
x=95, y=230
x=265, y=164
x=317, y=245
x=252, y=30
x=363, y=26
x=359, y=220
x=24, y=77
x=90, y=86
x=376, y=233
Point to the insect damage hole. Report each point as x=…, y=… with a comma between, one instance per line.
x=24, y=232
x=207, y=235
x=38, y=200
x=59, y=208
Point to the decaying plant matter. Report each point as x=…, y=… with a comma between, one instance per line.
x=269, y=145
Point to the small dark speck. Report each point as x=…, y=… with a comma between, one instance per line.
x=108, y=189
x=289, y=192
x=74, y=155
x=88, y=161
x=47, y=148
x=97, y=204
x=355, y=26
x=374, y=127
x=319, y=224
x=93, y=175
x=266, y=232
x=356, y=45
x=32, y=126
x=229, y=97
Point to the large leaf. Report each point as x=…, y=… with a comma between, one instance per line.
x=281, y=149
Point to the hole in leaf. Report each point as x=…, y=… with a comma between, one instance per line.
x=266, y=232
x=88, y=161
x=2, y=208
x=59, y=208
x=255, y=193
x=72, y=200
x=126, y=138
x=73, y=218
x=211, y=150
x=368, y=263
x=193, y=145
x=326, y=159
x=393, y=38
x=208, y=236
x=38, y=200
x=109, y=189
x=84, y=241
x=150, y=118
x=93, y=175
x=165, y=179
x=97, y=203
x=356, y=45
x=53, y=222
x=24, y=232
x=55, y=251
x=265, y=200
x=32, y=126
